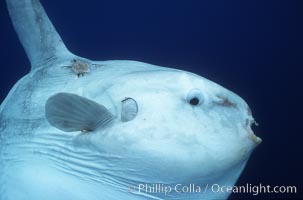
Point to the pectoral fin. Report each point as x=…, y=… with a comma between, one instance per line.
x=70, y=112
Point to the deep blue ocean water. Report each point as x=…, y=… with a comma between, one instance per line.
x=253, y=48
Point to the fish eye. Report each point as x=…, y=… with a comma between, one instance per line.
x=195, y=97
x=194, y=101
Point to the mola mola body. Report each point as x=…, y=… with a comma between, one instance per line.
x=74, y=128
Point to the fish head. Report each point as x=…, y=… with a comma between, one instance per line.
x=185, y=127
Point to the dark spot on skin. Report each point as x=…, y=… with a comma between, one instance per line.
x=194, y=101
x=97, y=65
x=226, y=102
x=45, y=31
x=38, y=16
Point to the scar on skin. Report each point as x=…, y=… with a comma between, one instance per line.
x=224, y=101
x=80, y=68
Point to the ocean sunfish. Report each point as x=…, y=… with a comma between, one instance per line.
x=78, y=129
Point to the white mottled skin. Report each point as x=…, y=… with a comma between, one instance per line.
x=169, y=141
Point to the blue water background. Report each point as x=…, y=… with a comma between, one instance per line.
x=253, y=48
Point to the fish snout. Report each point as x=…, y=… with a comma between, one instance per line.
x=249, y=122
x=257, y=140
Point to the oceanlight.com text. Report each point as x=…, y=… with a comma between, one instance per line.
x=255, y=189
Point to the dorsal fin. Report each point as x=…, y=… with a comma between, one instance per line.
x=38, y=36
